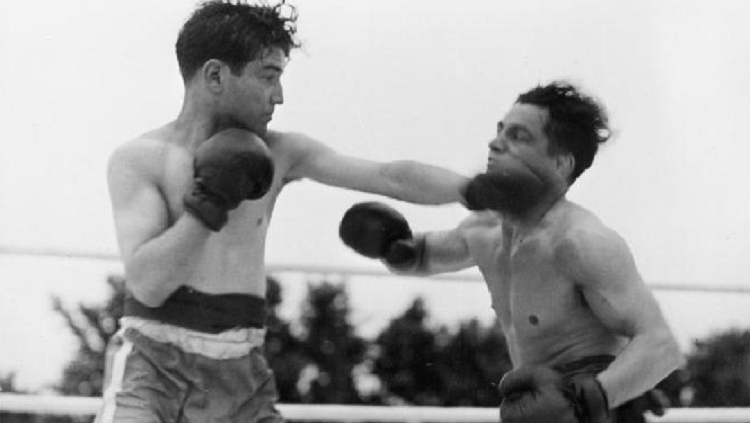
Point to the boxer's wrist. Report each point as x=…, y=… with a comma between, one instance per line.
x=606, y=388
x=406, y=255
x=590, y=400
x=205, y=209
x=193, y=223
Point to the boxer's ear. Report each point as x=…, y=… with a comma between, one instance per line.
x=565, y=163
x=213, y=73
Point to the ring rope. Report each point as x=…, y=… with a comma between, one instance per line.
x=354, y=271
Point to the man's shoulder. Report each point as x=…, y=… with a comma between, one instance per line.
x=141, y=154
x=480, y=225
x=295, y=147
x=294, y=152
x=286, y=141
x=579, y=232
x=574, y=220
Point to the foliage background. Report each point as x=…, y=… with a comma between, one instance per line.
x=321, y=360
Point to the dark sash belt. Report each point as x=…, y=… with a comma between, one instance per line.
x=203, y=312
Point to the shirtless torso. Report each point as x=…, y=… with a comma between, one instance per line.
x=544, y=314
x=230, y=260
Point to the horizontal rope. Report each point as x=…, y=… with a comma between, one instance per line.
x=86, y=406
x=354, y=271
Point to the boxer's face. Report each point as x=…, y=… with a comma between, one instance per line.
x=251, y=97
x=520, y=136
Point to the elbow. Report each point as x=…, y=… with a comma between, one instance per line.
x=678, y=359
x=668, y=349
x=145, y=289
x=149, y=298
x=141, y=291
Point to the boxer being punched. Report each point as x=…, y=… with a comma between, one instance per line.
x=586, y=337
x=192, y=201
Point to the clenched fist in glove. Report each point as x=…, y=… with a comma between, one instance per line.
x=515, y=186
x=378, y=231
x=232, y=166
x=538, y=394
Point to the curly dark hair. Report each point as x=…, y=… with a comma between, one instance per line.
x=235, y=33
x=577, y=123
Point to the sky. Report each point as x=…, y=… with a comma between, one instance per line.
x=385, y=80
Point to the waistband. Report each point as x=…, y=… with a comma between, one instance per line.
x=209, y=313
x=232, y=343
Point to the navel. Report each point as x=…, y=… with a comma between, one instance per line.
x=533, y=320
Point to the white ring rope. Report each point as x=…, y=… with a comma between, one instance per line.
x=88, y=406
x=352, y=271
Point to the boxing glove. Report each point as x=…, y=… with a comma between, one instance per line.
x=513, y=189
x=539, y=394
x=378, y=231
x=232, y=166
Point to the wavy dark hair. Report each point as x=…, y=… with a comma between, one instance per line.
x=577, y=123
x=235, y=33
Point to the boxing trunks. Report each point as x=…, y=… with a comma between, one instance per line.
x=197, y=358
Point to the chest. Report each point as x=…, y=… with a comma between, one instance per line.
x=523, y=278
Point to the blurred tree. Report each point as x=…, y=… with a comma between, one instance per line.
x=407, y=357
x=8, y=382
x=8, y=385
x=472, y=364
x=427, y=367
x=719, y=370
x=284, y=351
x=674, y=387
x=332, y=345
x=410, y=362
x=92, y=327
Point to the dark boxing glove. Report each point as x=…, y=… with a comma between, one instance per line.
x=232, y=166
x=654, y=400
x=540, y=395
x=514, y=189
x=378, y=231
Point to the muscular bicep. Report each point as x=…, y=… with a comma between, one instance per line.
x=326, y=166
x=603, y=268
x=140, y=211
x=405, y=180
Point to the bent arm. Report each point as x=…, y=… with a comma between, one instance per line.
x=617, y=295
x=443, y=252
x=404, y=180
x=158, y=258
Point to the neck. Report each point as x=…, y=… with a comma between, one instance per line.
x=533, y=217
x=195, y=122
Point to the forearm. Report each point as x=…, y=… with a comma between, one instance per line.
x=646, y=361
x=158, y=267
x=424, y=184
x=435, y=254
